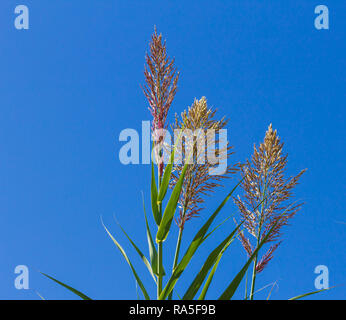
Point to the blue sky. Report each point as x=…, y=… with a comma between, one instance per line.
x=70, y=84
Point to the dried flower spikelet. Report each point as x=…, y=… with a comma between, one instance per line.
x=266, y=195
x=198, y=182
x=160, y=87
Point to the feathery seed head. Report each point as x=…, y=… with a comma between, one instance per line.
x=160, y=87
x=266, y=195
x=198, y=182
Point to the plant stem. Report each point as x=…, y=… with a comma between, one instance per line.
x=159, y=250
x=253, y=280
x=176, y=257
x=258, y=238
x=160, y=271
x=246, y=284
x=177, y=249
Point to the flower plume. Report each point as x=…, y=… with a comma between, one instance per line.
x=266, y=195
x=160, y=87
x=198, y=181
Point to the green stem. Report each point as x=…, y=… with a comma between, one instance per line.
x=177, y=249
x=253, y=281
x=246, y=284
x=159, y=250
x=160, y=271
x=176, y=257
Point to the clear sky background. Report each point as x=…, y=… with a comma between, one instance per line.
x=71, y=83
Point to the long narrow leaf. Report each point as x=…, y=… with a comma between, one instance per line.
x=40, y=295
x=151, y=244
x=166, y=177
x=307, y=294
x=217, y=227
x=212, y=272
x=76, y=292
x=137, y=293
x=208, y=264
x=142, y=256
x=168, y=214
x=231, y=289
x=168, y=171
x=196, y=242
x=140, y=283
x=153, y=194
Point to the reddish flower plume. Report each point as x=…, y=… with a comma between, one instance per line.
x=161, y=80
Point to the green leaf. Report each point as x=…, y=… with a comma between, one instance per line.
x=179, y=297
x=168, y=171
x=231, y=289
x=196, y=242
x=208, y=264
x=212, y=272
x=307, y=294
x=137, y=293
x=76, y=292
x=140, y=283
x=142, y=256
x=153, y=192
x=168, y=214
x=217, y=227
x=166, y=177
x=40, y=295
x=151, y=244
